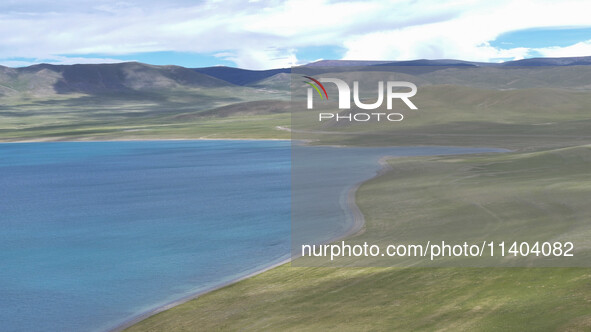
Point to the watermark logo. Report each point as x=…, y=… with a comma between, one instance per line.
x=318, y=84
x=344, y=99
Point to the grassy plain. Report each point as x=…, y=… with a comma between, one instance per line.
x=186, y=114
x=390, y=299
x=496, y=190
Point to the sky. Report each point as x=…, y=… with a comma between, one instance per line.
x=260, y=34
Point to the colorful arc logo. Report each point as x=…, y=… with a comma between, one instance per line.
x=316, y=87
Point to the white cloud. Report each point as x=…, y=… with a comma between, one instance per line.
x=253, y=58
x=265, y=34
x=579, y=49
x=467, y=36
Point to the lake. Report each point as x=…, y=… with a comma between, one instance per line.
x=93, y=234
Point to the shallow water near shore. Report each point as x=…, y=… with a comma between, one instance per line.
x=93, y=234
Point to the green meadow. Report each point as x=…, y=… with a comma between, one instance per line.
x=135, y=101
x=390, y=299
x=490, y=189
x=184, y=114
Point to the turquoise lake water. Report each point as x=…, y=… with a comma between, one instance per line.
x=93, y=234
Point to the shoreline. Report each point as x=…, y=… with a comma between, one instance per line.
x=304, y=141
x=134, y=320
x=358, y=224
x=358, y=217
x=357, y=227
x=143, y=140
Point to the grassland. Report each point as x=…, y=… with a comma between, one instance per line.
x=456, y=115
x=534, y=196
x=522, y=119
x=428, y=190
x=390, y=299
x=174, y=114
x=135, y=101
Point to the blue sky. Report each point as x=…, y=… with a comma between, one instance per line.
x=263, y=34
x=543, y=37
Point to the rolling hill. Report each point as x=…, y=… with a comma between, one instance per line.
x=135, y=100
x=240, y=76
x=46, y=79
x=132, y=100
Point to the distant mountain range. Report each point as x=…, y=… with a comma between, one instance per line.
x=136, y=77
x=101, y=78
x=240, y=76
x=571, y=61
